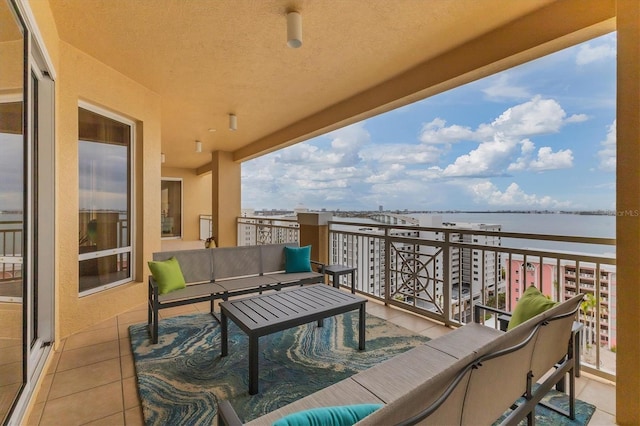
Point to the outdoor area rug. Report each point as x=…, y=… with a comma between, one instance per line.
x=181, y=378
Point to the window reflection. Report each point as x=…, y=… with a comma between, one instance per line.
x=171, y=202
x=104, y=161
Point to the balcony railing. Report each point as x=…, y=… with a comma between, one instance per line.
x=10, y=261
x=441, y=273
x=264, y=230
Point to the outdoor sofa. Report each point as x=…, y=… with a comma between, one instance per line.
x=222, y=272
x=471, y=375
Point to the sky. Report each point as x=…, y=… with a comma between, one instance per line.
x=540, y=136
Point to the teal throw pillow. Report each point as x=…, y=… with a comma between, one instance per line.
x=167, y=274
x=530, y=304
x=345, y=415
x=297, y=259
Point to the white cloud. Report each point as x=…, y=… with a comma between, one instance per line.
x=487, y=160
x=402, y=153
x=535, y=117
x=435, y=132
x=501, y=89
x=549, y=160
x=513, y=197
x=546, y=159
x=387, y=175
x=607, y=154
x=588, y=53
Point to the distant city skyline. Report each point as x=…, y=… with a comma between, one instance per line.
x=540, y=136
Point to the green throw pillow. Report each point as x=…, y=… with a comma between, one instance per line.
x=530, y=304
x=297, y=259
x=168, y=275
x=345, y=415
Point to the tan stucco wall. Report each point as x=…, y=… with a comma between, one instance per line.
x=196, y=199
x=81, y=77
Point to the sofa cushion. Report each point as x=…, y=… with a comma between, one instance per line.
x=167, y=274
x=297, y=259
x=344, y=415
x=530, y=304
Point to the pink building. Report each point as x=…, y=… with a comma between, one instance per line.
x=523, y=275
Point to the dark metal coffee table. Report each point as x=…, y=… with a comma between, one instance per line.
x=262, y=315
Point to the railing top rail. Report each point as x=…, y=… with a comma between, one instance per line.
x=514, y=235
x=274, y=219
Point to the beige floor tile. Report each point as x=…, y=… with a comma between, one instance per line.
x=134, y=416
x=130, y=392
x=84, y=378
x=599, y=394
x=125, y=347
x=45, y=387
x=436, y=331
x=83, y=407
x=178, y=310
x=382, y=311
x=88, y=338
x=55, y=358
x=133, y=317
x=35, y=415
x=88, y=355
x=111, y=322
x=411, y=322
x=600, y=418
x=127, y=367
x=113, y=420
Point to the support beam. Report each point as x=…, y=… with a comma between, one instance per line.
x=628, y=213
x=225, y=199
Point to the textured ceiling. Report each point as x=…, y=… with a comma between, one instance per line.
x=210, y=58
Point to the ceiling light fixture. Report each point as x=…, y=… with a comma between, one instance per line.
x=162, y=157
x=294, y=29
x=198, y=146
x=233, y=122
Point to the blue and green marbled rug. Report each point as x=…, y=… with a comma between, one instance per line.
x=181, y=378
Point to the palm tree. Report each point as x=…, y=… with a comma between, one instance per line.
x=587, y=307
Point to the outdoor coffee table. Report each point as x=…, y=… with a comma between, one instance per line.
x=262, y=315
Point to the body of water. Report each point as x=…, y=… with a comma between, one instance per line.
x=574, y=225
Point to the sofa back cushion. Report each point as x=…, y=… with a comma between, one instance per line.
x=231, y=262
x=195, y=264
x=273, y=257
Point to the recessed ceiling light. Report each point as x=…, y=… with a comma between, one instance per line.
x=212, y=130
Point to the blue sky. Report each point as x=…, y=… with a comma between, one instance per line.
x=538, y=136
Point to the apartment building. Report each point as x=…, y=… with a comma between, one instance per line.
x=472, y=271
x=598, y=320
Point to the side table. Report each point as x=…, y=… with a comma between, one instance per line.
x=336, y=271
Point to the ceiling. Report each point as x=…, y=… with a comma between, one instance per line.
x=207, y=59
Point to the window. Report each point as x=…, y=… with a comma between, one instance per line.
x=105, y=194
x=171, y=202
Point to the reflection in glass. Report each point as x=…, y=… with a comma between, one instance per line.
x=11, y=208
x=171, y=203
x=104, y=151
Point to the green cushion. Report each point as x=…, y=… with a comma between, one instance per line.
x=168, y=275
x=345, y=415
x=297, y=259
x=530, y=304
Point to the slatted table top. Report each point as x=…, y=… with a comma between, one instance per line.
x=272, y=312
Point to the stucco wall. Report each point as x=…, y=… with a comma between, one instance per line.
x=196, y=199
x=80, y=77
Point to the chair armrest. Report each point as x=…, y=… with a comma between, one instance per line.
x=319, y=265
x=502, y=316
x=227, y=416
